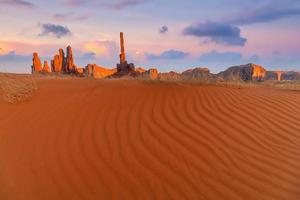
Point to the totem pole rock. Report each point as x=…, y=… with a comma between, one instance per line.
x=124, y=68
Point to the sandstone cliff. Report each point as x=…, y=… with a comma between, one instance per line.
x=249, y=72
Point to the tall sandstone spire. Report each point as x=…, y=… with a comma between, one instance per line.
x=58, y=62
x=123, y=54
x=36, y=63
x=70, y=66
x=124, y=68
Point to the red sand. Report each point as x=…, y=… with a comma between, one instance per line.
x=81, y=139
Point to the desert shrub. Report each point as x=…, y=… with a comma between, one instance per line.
x=17, y=89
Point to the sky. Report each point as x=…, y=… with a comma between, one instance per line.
x=165, y=34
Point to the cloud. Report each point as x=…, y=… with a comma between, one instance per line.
x=20, y=3
x=126, y=3
x=163, y=29
x=220, y=33
x=168, y=55
x=268, y=13
x=118, y=4
x=70, y=16
x=56, y=30
x=13, y=57
x=89, y=55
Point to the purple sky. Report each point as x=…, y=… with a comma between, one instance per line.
x=168, y=35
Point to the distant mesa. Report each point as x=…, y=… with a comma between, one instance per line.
x=283, y=75
x=65, y=64
x=169, y=76
x=197, y=74
x=249, y=72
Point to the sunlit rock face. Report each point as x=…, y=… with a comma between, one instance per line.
x=150, y=74
x=249, y=72
x=80, y=71
x=258, y=72
x=56, y=64
x=97, y=72
x=46, y=67
x=197, y=74
x=36, y=64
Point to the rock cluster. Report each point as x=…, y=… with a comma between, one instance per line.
x=65, y=64
x=60, y=63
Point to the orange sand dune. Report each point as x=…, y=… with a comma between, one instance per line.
x=113, y=139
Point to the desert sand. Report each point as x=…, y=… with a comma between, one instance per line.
x=121, y=139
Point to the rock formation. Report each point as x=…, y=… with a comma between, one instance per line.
x=169, y=76
x=36, y=64
x=58, y=62
x=70, y=66
x=282, y=75
x=249, y=72
x=150, y=74
x=140, y=70
x=46, y=67
x=124, y=68
x=197, y=74
x=258, y=72
x=279, y=75
x=97, y=72
x=80, y=71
